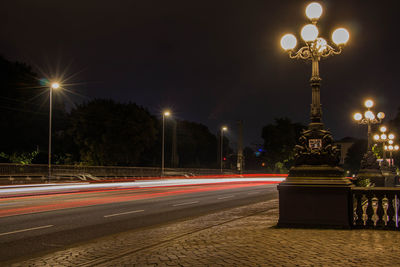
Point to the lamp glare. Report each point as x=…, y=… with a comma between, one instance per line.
x=369, y=103
x=357, y=116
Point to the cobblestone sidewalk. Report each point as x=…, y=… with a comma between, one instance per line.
x=243, y=236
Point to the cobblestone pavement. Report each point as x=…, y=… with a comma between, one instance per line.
x=244, y=236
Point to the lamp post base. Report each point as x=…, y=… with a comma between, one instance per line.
x=316, y=193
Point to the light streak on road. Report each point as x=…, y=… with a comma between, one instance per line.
x=52, y=188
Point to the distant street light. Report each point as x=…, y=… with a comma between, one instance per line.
x=369, y=118
x=223, y=129
x=384, y=139
x=391, y=148
x=165, y=114
x=54, y=85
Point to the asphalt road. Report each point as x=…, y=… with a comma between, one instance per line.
x=38, y=223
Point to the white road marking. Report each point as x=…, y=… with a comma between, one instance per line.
x=122, y=213
x=226, y=197
x=186, y=203
x=28, y=229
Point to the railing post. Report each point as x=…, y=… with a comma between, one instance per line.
x=359, y=211
x=370, y=211
x=380, y=223
x=391, y=224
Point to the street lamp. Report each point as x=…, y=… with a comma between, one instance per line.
x=223, y=129
x=369, y=118
x=385, y=139
x=53, y=86
x=166, y=113
x=391, y=148
x=314, y=49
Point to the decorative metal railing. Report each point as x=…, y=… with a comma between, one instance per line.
x=376, y=207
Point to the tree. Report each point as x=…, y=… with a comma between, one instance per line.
x=279, y=141
x=354, y=155
x=23, y=116
x=196, y=145
x=110, y=133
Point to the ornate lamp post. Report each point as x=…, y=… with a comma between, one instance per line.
x=369, y=118
x=369, y=168
x=316, y=190
x=316, y=144
x=315, y=49
x=53, y=86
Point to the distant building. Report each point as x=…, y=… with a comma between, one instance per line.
x=343, y=145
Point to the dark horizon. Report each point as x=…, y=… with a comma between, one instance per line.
x=213, y=63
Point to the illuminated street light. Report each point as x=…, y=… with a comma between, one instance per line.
x=314, y=49
x=386, y=140
x=391, y=148
x=369, y=118
x=223, y=129
x=53, y=86
x=166, y=113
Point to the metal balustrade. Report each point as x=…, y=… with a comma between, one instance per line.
x=376, y=207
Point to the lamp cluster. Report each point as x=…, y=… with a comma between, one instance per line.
x=316, y=47
x=369, y=116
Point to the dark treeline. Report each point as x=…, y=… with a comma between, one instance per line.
x=97, y=132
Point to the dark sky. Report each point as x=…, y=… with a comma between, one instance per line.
x=212, y=62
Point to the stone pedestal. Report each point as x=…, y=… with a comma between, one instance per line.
x=315, y=196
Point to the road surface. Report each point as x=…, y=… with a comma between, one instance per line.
x=39, y=219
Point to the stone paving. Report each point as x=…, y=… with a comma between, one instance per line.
x=243, y=236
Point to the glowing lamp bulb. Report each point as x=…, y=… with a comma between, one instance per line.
x=376, y=137
x=383, y=129
x=357, y=116
x=390, y=142
x=383, y=136
x=369, y=115
x=340, y=36
x=55, y=85
x=391, y=136
x=309, y=33
x=288, y=41
x=369, y=103
x=224, y=128
x=396, y=147
x=314, y=11
x=381, y=115
x=390, y=147
x=167, y=113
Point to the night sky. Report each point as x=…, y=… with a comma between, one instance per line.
x=213, y=62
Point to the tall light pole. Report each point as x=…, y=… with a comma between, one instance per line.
x=223, y=129
x=54, y=85
x=385, y=139
x=165, y=114
x=316, y=158
x=369, y=118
